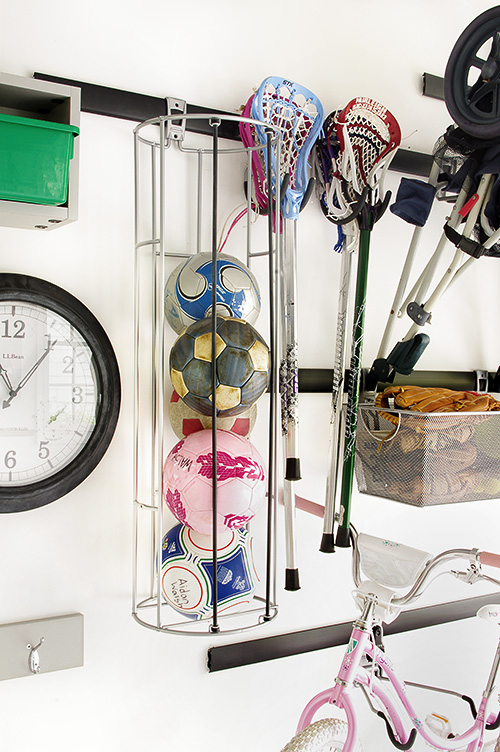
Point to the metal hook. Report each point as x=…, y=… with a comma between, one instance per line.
x=33, y=658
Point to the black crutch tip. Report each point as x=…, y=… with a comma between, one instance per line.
x=343, y=538
x=292, y=470
x=292, y=579
x=327, y=543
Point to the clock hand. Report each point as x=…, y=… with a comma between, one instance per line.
x=5, y=377
x=14, y=392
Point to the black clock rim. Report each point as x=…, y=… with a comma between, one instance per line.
x=38, y=291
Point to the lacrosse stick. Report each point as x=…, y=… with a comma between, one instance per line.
x=325, y=153
x=298, y=113
x=368, y=136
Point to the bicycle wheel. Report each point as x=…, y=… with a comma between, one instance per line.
x=472, y=77
x=327, y=735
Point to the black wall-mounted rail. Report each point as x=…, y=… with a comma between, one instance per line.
x=239, y=654
x=433, y=86
x=320, y=380
x=128, y=105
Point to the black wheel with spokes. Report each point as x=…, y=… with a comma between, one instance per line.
x=472, y=77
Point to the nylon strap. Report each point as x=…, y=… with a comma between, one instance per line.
x=467, y=245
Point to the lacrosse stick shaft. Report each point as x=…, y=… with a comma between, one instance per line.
x=342, y=538
x=327, y=540
x=291, y=569
x=290, y=388
x=289, y=398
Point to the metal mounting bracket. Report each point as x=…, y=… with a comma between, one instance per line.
x=417, y=313
x=176, y=128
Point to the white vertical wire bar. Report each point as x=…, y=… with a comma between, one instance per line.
x=199, y=205
x=249, y=207
x=276, y=345
x=159, y=373
x=135, y=542
x=154, y=234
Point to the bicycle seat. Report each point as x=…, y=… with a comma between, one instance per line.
x=390, y=564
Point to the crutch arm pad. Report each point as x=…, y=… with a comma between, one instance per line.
x=414, y=201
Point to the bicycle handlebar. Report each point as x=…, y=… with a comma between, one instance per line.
x=473, y=556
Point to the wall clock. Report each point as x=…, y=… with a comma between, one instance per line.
x=59, y=392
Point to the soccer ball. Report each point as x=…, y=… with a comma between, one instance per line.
x=187, y=481
x=188, y=574
x=188, y=292
x=242, y=366
x=184, y=420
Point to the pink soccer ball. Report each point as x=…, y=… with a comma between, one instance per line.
x=187, y=481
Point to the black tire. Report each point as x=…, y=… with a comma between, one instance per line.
x=473, y=103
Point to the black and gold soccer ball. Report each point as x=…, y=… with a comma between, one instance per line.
x=242, y=366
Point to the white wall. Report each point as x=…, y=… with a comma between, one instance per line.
x=139, y=688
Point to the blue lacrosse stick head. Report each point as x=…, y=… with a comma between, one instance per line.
x=299, y=115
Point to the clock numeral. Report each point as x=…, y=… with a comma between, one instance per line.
x=43, y=451
x=77, y=395
x=10, y=459
x=68, y=361
x=18, y=327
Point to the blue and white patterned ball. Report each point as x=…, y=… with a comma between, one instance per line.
x=187, y=572
x=188, y=292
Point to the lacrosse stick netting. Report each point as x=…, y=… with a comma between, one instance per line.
x=368, y=135
x=298, y=113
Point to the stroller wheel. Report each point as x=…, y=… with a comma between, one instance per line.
x=472, y=77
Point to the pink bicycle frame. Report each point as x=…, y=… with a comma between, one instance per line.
x=402, y=715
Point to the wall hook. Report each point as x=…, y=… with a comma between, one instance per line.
x=34, y=658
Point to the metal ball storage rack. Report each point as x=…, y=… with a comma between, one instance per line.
x=180, y=162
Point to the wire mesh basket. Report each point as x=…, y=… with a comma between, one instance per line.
x=428, y=458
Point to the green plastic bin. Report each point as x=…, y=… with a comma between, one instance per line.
x=34, y=160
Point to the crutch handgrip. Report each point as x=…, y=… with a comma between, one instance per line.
x=490, y=559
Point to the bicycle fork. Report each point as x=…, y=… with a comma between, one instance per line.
x=402, y=723
x=352, y=674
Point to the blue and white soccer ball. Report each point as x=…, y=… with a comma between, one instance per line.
x=188, y=292
x=187, y=571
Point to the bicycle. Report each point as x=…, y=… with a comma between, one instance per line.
x=391, y=568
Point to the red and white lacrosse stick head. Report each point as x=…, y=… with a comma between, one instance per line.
x=368, y=136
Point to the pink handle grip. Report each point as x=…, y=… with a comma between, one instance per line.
x=491, y=560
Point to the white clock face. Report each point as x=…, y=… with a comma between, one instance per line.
x=48, y=393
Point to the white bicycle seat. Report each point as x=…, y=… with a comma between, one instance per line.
x=391, y=564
